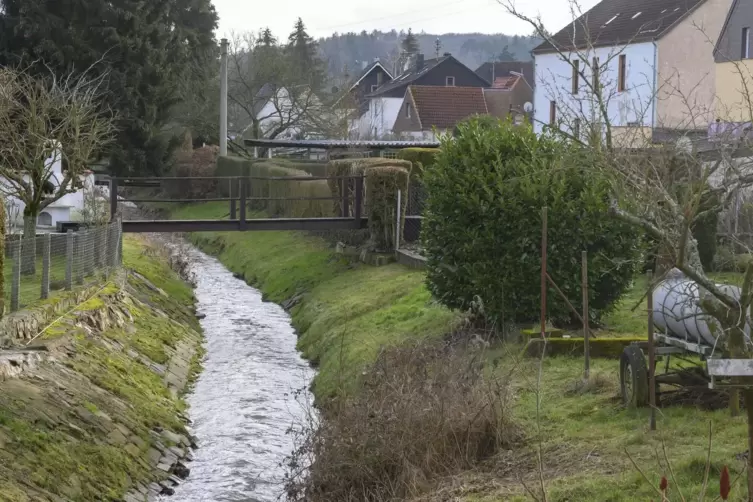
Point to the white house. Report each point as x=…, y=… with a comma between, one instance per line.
x=653, y=60
x=67, y=208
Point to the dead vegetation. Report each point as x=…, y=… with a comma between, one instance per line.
x=426, y=412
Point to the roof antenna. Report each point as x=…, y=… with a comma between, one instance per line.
x=438, y=47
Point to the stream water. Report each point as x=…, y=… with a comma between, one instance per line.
x=244, y=403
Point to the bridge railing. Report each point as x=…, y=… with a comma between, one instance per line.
x=250, y=202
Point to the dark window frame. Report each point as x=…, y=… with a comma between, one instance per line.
x=552, y=113
x=745, y=43
x=622, y=73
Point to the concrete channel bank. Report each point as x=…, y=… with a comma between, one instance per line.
x=91, y=388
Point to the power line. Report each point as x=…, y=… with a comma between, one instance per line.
x=391, y=16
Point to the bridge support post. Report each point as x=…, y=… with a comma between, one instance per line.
x=358, y=203
x=233, y=210
x=242, y=220
x=113, y=198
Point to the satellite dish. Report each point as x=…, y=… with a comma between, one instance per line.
x=528, y=107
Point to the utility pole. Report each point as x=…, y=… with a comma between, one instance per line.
x=223, y=97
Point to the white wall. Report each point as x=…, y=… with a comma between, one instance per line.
x=380, y=119
x=269, y=116
x=636, y=104
x=60, y=210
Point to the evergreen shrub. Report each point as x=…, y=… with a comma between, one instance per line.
x=482, y=224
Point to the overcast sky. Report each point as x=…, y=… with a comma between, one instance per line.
x=323, y=17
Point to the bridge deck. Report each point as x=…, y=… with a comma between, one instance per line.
x=311, y=224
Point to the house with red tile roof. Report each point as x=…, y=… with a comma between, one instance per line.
x=430, y=111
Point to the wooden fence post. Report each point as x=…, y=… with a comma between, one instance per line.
x=46, y=248
x=15, y=291
x=586, y=329
x=543, y=270
x=70, y=246
x=651, y=353
x=397, y=219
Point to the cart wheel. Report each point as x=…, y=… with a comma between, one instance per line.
x=633, y=377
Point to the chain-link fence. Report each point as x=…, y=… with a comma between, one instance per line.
x=38, y=268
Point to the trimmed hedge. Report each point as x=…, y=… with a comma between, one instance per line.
x=482, y=225
x=354, y=167
x=382, y=184
x=276, y=189
x=421, y=158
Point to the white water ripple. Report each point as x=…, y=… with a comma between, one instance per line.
x=243, y=403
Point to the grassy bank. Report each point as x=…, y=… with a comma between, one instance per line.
x=345, y=312
x=348, y=311
x=81, y=421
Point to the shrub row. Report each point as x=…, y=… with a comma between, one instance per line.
x=420, y=158
x=281, y=192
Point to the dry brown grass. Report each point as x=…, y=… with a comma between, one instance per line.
x=426, y=412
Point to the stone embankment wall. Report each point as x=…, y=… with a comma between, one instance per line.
x=90, y=387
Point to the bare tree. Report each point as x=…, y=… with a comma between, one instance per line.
x=266, y=95
x=666, y=189
x=42, y=121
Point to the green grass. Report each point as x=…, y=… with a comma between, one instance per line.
x=56, y=431
x=350, y=310
x=31, y=284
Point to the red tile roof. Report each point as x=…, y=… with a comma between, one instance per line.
x=444, y=107
x=505, y=83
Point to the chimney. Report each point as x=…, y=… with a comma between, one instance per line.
x=376, y=60
x=419, y=61
x=447, y=54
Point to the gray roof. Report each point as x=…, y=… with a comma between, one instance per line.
x=404, y=79
x=262, y=98
x=368, y=70
x=619, y=22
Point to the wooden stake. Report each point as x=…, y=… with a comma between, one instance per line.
x=543, y=270
x=586, y=329
x=651, y=353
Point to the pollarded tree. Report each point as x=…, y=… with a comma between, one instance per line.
x=43, y=121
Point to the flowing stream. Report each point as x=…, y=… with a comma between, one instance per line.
x=244, y=402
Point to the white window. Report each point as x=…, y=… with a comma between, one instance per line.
x=407, y=110
x=449, y=81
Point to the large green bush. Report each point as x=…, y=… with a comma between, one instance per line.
x=482, y=225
